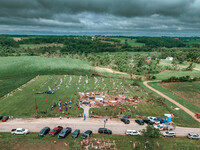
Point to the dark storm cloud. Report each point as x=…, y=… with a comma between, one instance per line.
x=101, y=14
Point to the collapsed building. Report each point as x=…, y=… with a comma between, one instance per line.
x=99, y=99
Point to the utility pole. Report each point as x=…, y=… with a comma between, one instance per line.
x=36, y=109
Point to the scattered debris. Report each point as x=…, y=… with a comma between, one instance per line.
x=99, y=99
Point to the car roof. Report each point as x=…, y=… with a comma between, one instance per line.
x=193, y=133
x=170, y=131
x=131, y=130
x=46, y=128
x=19, y=128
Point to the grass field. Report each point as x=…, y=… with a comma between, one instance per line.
x=39, y=45
x=15, y=71
x=65, y=87
x=189, y=91
x=185, y=64
x=132, y=42
x=181, y=118
x=32, y=141
x=194, y=41
x=168, y=73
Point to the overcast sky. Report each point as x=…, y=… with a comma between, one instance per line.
x=125, y=16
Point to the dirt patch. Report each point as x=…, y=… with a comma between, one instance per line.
x=110, y=70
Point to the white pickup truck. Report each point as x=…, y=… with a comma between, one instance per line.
x=20, y=131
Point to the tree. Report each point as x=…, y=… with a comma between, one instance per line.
x=151, y=132
x=190, y=67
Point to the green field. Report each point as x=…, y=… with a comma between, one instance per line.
x=194, y=41
x=187, y=90
x=132, y=42
x=181, y=118
x=32, y=141
x=185, y=64
x=64, y=90
x=39, y=45
x=168, y=73
x=15, y=71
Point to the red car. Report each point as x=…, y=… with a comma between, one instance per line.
x=5, y=118
x=56, y=130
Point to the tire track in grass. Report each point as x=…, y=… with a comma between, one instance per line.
x=171, y=100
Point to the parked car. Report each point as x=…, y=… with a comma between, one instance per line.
x=154, y=120
x=56, y=130
x=160, y=127
x=139, y=121
x=65, y=132
x=132, y=132
x=125, y=120
x=162, y=120
x=19, y=131
x=1, y=117
x=104, y=130
x=76, y=133
x=44, y=131
x=5, y=118
x=148, y=121
x=169, y=134
x=193, y=136
x=86, y=134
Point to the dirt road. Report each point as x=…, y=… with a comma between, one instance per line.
x=118, y=127
x=171, y=100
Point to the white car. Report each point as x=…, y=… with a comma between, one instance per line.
x=160, y=127
x=169, y=134
x=19, y=131
x=193, y=136
x=132, y=132
x=154, y=120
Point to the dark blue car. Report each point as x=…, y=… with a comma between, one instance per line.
x=86, y=134
x=76, y=133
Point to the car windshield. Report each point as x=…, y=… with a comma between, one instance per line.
x=23, y=129
x=53, y=130
x=76, y=131
x=42, y=131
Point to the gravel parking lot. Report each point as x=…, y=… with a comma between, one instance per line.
x=117, y=127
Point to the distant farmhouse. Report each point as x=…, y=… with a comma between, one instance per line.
x=170, y=58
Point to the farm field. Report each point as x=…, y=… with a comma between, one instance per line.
x=132, y=42
x=189, y=91
x=15, y=71
x=187, y=104
x=181, y=118
x=32, y=141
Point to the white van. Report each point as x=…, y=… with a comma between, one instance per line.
x=132, y=132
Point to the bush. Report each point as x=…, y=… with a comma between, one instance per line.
x=181, y=79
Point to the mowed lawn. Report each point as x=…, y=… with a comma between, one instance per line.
x=15, y=71
x=66, y=87
x=189, y=91
x=121, y=142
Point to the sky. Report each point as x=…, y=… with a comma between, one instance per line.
x=123, y=17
